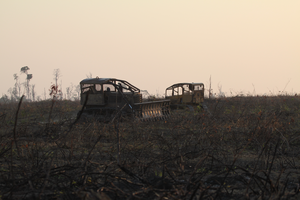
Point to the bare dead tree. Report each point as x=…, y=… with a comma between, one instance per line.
x=209, y=90
x=17, y=86
x=57, y=75
x=33, y=92
x=77, y=89
x=69, y=91
x=28, y=78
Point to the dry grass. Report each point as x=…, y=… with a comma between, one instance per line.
x=243, y=148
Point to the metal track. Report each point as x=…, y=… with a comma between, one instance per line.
x=152, y=110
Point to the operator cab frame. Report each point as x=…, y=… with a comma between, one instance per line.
x=185, y=93
x=106, y=91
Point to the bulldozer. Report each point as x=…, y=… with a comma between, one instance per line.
x=185, y=95
x=108, y=98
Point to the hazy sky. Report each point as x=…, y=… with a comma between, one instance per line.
x=244, y=45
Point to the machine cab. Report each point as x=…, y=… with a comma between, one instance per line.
x=185, y=93
x=108, y=92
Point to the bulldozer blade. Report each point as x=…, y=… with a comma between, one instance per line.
x=152, y=110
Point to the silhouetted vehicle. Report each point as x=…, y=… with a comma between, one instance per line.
x=107, y=98
x=185, y=94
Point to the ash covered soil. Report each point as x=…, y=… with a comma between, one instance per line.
x=237, y=148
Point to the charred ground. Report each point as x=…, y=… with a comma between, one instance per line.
x=240, y=148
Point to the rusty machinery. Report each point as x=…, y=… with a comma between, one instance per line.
x=185, y=94
x=107, y=98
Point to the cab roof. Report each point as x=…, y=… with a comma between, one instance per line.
x=109, y=80
x=97, y=80
x=181, y=84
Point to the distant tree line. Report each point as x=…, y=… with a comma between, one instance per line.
x=21, y=88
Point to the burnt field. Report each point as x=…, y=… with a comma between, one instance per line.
x=238, y=148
